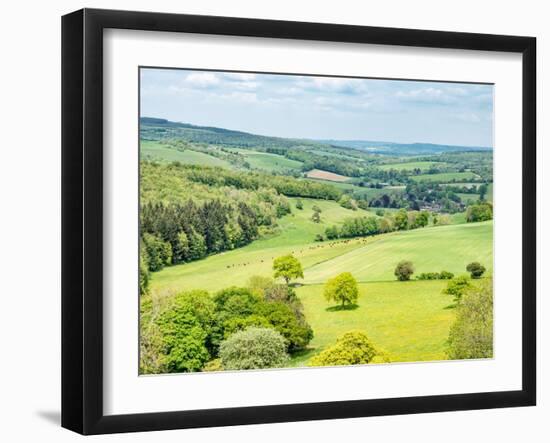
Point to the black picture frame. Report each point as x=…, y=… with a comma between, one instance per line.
x=82, y=220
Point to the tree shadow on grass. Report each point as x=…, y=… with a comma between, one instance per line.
x=451, y=306
x=350, y=307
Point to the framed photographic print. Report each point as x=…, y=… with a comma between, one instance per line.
x=269, y=221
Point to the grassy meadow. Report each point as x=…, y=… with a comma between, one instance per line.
x=445, y=177
x=268, y=162
x=409, y=320
x=152, y=150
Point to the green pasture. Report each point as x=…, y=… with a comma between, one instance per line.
x=153, y=150
x=431, y=249
x=445, y=177
x=408, y=320
x=268, y=162
x=369, y=259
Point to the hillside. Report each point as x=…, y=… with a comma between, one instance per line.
x=371, y=259
x=159, y=129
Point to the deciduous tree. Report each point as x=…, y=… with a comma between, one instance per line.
x=342, y=289
x=404, y=270
x=288, y=267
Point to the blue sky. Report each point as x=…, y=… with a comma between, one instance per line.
x=322, y=107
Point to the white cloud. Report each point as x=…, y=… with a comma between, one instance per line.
x=424, y=95
x=334, y=84
x=241, y=77
x=202, y=79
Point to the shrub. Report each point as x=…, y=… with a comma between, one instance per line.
x=352, y=348
x=422, y=219
x=401, y=220
x=254, y=348
x=404, y=270
x=457, y=286
x=347, y=202
x=471, y=335
x=446, y=275
x=319, y=237
x=213, y=366
x=443, y=275
x=342, y=289
x=331, y=232
x=428, y=276
x=380, y=212
x=299, y=204
x=443, y=220
x=480, y=212
x=475, y=269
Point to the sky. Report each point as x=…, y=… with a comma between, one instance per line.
x=317, y=107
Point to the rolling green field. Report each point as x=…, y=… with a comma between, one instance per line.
x=409, y=166
x=408, y=320
x=376, y=260
x=445, y=177
x=152, y=150
x=268, y=162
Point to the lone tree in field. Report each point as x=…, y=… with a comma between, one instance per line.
x=299, y=204
x=342, y=289
x=316, y=217
x=404, y=270
x=475, y=269
x=287, y=267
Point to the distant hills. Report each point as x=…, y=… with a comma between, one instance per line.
x=158, y=128
x=391, y=148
